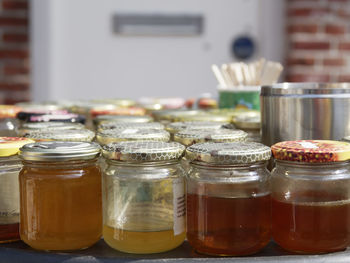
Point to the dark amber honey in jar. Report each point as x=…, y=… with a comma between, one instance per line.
x=228, y=198
x=61, y=200
x=310, y=200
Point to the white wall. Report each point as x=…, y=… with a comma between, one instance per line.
x=77, y=56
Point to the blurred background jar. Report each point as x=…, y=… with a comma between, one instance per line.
x=9, y=187
x=60, y=195
x=228, y=198
x=311, y=196
x=144, y=197
x=8, y=121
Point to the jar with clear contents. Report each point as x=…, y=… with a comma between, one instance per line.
x=311, y=196
x=60, y=195
x=9, y=188
x=144, y=197
x=228, y=198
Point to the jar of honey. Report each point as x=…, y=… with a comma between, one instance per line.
x=60, y=195
x=9, y=188
x=249, y=122
x=144, y=197
x=105, y=119
x=310, y=196
x=228, y=198
x=47, y=126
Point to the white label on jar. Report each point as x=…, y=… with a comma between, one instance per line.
x=179, y=203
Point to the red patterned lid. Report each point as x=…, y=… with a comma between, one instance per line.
x=312, y=151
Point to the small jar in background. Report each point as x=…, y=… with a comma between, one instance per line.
x=250, y=123
x=46, y=127
x=73, y=135
x=144, y=197
x=110, y=136
x=9, y=187
x=228, y=198
x=311, y=196
x=129, y=125
x=60, y=195
x=8, y=121
x=106, y=119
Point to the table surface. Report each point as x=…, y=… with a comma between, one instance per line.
x=100, y=252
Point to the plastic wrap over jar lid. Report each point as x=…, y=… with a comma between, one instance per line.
x=189, y=137
x=130, y=125
x=228, y=152
x=132, y=134
x=58, y=151
x=77, y=135
x=122, y=118
x=143, y=151
x=248, y=120
x=312, y=151
x=47, y=126
x=11, y=145
x=194, y=125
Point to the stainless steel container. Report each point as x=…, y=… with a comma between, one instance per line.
x=294, y=111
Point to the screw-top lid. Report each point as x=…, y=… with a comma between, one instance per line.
x=189, y=137
x=137, y=111
x=130, y=125
x=312, y=151
x=58, y=151
x=77, y=135
x=47, y=126
x=194, y=125
x=118, y=102
x=121, y=118
x=8, y=111
x=228, y=152
x=248, y=120
x=132, y=134
x=10, y=145
x=203, y=117
x=143, y=151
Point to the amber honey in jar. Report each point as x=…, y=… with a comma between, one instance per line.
x=311, y=196
x=144, y=197
x=228, y=198
x=60, y=195
x=9, y=188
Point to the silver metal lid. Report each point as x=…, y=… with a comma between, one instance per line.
x=100, y=119
x=228, y=152
x=132, y=134
x=143, y=151
x=58, y=151
x=248, y=120
x=194, y=125
x=47, y=126
x=77, y=135
x=130, y=125
x=189, y=137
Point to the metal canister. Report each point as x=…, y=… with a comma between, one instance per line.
x=295, y=111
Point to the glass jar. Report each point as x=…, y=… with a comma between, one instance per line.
x=144, y=197
x=129, y=125
x=109, y=136
x=228, y=198
x=105, y=119
x=74, y=135
x=311, y=196
x=9, y=188
x=250, y=123
x=8, y=121
x=47, y=126
x=60, y=195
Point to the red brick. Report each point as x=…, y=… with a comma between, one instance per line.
x=14, y=5
x=15, y=38
x=344, y=46
x=302, y=28
x=10, y=53
x=335, y=29
x=333, y=62
x=13, y=21
x=14, y=86
x=308, y=11
x=15, y=70
x=343, y=13
x=307, y=78
x=301, y=61
x=344, y=78
x=311, y=45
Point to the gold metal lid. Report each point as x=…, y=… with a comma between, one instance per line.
x=189, y=137
x=42, y=106
x=194, y=125
x=10, y=145
x=143, y=151
x=229, y=112
x=228, y=152
x=130, y=125
x=118, y=102
x=172, y=115
x=76, y=135
x=133, y=134
x=58, y=151
x=203, y=117
x=248, y=120
x=47, y=126
x=122, y=118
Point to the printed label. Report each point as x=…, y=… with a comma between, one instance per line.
x=308, y=145
x=179, y=202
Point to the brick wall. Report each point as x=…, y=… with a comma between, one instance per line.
x=318, y=47
x=14, y=51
